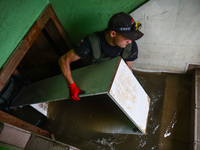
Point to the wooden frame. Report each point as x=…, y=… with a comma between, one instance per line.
x=6, y=118
x=27, y=41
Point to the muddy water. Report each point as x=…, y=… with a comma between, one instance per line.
x=154, y=85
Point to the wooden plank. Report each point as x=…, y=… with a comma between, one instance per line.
x=60, y=28
x=56, y=38
x=4, y=117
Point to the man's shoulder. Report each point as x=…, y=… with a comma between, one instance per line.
x=98, y=33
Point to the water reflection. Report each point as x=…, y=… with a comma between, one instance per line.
x=158, y=128
x=170, y=126
x=155, y=90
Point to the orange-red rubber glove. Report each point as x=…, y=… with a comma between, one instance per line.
x=74, y=92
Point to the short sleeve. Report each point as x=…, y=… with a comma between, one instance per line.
x=84, y=48
x=134, y=52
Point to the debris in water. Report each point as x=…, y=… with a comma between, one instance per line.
x=111, y=141
x=155, y=129
x=142, y=142
x=170, y=126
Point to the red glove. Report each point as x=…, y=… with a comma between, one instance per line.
x=74, y=92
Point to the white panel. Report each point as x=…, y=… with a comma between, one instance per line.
x=41, y=107
x=130, y=96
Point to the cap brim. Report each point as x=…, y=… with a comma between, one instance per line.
x=133, y=35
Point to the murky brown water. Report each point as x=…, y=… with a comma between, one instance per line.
x=154, y=85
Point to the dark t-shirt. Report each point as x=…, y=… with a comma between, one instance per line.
x=84, y=49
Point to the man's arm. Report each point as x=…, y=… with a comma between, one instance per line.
x=64, y=63
x=129, y=64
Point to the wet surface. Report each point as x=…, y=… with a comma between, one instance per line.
x=175, y=129
x=164, y=123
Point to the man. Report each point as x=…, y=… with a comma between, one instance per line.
x=118, y=40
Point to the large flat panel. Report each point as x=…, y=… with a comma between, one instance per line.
x=109, y=86
x=128, y=94
x=93, y=79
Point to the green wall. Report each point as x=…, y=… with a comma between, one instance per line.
x=81, y=17
x=16, y=18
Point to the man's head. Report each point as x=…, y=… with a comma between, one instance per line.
x=124, y=24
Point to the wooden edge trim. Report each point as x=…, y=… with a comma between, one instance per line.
x=20, y=51
x=60, y=27
x=6, y=118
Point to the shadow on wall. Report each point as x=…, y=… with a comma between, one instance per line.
x=84, y=24
x=80, y=19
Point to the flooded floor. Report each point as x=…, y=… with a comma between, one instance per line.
x=168, y=122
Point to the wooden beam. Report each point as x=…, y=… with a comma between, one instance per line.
x=60, y=28
x=22, y=48
x=6, y=118
x=20, y=51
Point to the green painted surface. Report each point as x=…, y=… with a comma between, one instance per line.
x=16, y=18
x=4, y=146
x=93, y=79
x=78, y=17
x=82, y=17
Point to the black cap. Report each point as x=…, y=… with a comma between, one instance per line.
x=123, y=23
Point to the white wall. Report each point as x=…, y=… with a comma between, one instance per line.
x=171, y=35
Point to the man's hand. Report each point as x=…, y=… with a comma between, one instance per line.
x=74, y=92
